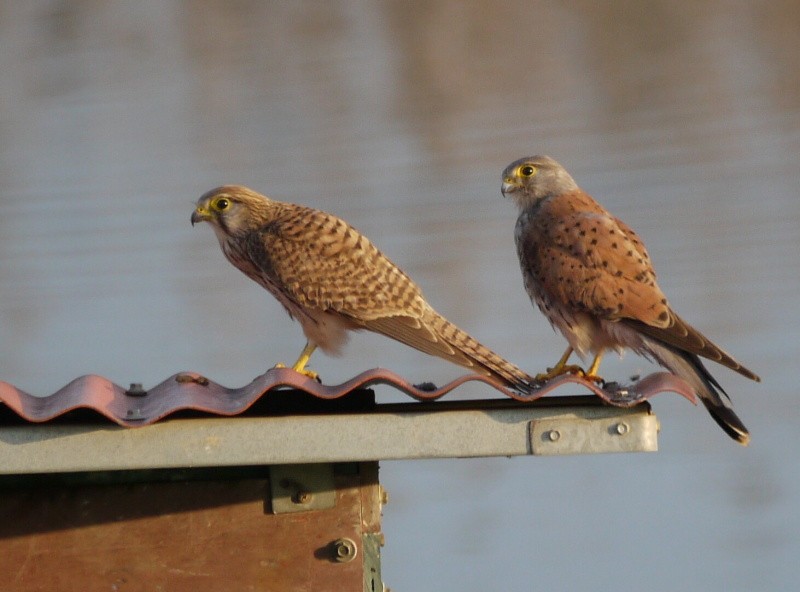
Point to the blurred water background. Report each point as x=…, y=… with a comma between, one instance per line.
x=682, y=118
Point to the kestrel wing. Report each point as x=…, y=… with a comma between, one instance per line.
x=592, y=262
x=602, y=267
x=678, y=332
x=321, y=262
x=682, y=335
x=417, y=334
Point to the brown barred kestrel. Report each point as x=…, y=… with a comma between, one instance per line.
x=332, y=279
x=590, y=275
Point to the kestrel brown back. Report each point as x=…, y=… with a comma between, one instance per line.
x=332, y=279
x=591, y=276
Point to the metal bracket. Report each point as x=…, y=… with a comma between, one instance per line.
x=572, y=435
x=372, y=544
x=302, y=488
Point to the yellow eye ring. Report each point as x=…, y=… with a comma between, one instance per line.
x=526, y=170
x=221, y=204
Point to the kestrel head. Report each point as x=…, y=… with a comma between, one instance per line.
x=530, y=179
x=231, y=210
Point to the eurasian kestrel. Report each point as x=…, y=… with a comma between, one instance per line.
x=590, y=275
x=332, y=279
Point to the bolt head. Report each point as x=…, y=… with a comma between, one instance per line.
x=344, y=550
x=302, y=497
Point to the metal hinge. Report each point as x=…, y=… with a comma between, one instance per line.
x=372, y=544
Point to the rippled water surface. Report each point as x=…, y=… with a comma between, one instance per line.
x=682, y=118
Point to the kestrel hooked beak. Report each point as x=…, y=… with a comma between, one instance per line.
x=332, y=279
x=591, y=276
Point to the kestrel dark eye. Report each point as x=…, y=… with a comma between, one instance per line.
x=527, y=171
x=221, y=204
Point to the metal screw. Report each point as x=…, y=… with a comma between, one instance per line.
x=302, y=497
x=136, y=390
x=554, y=435
x=622, y=428
x=344, y=550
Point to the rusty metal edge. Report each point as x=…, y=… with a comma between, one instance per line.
x=193, y=391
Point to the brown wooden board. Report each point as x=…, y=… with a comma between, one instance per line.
x=190, y=535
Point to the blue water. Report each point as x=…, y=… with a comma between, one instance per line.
x=399, y=117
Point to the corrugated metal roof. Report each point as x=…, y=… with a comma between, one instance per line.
x=191, y=391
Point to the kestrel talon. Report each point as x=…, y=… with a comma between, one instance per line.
x=591, y=276
x=333, y=280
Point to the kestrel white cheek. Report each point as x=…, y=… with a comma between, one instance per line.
x=590, y=275
x=333, y=280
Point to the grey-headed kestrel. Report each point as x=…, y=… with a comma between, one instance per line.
x=591, y=276
x=332, y=279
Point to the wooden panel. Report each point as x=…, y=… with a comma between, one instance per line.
x=180, y=536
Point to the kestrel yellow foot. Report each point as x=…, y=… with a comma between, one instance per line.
x=594, y=378
x=560, y=368
x=300, y=364
x=591, y=275
x=333, y=280
x=560, y=371
x=591, y=374
x=310, y=373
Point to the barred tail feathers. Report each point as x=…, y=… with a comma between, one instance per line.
x=689, y=367
x=431, y=333
x=481, y=358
